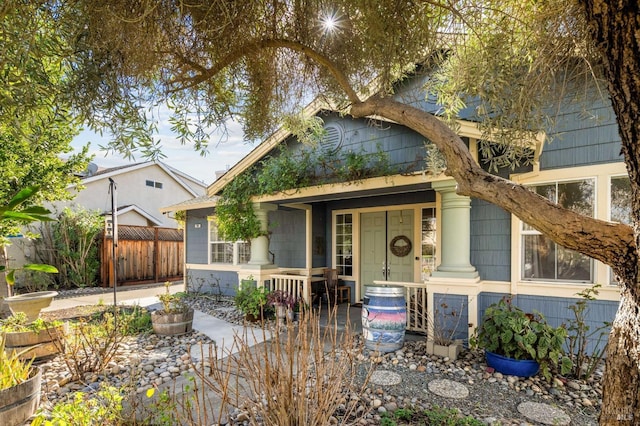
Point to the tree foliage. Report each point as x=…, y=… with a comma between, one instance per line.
x=71, y=244
x=37, y=123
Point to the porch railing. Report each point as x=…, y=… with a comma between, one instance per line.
x=297, y=285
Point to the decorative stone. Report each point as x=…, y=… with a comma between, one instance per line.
x=385, y=377
x=543, y=413
x=448, y=389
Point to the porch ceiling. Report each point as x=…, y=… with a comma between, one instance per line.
x=333, y=194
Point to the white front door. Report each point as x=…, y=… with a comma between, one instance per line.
x=379, y=260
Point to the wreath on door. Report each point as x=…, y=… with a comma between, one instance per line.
x=402, y=249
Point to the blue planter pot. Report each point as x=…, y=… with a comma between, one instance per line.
x=512, y=367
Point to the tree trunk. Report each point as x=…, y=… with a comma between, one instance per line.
x=615, y=29
x=621, y=382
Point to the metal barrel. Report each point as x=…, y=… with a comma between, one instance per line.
x=384, y=318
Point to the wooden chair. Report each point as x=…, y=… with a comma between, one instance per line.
x=343, y=294
x=331, y=284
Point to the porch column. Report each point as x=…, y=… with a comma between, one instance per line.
x=260, y=246
x=455, y=233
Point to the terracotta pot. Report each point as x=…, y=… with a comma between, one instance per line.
x=19, y=402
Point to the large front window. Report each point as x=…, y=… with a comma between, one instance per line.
x=228, y=252
x=544, y=260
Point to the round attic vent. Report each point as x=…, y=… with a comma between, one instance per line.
x=332, y=139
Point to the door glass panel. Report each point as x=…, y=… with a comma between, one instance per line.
x=428, y=242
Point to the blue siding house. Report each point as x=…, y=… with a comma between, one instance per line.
x=408, y=227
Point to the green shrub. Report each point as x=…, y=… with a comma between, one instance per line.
x=509, y=331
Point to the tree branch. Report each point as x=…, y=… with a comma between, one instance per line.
x=234, y=56
x=601, y=240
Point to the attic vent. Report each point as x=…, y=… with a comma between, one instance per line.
x=333, y=137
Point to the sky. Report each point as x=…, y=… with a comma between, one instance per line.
x=184, y=158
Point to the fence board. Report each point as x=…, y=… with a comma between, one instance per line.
x=145, y=254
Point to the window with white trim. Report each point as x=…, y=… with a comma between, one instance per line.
x=227, y=252
x=544, y=260
x=344, y=244
x=620, y=206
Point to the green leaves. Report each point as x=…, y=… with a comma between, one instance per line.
x=509, y=331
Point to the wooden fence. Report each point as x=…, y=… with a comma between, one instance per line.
x=145, y=255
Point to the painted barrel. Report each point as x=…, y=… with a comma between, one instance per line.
x=384, y=318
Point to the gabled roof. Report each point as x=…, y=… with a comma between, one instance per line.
x=137, y=209
x=192, y=204
x=177, y=175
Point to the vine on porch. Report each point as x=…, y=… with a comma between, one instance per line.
x=287, y=171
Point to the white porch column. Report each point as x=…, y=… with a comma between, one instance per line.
x=455, y=233
x=260, y=245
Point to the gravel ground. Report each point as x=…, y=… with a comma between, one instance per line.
x=492, y=397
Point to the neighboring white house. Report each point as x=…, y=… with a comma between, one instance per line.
x=141, y=190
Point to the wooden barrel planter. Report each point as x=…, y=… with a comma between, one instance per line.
x=36, y=345
x=19, y=402
x=172, y=324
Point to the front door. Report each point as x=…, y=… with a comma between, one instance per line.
x=385, y=254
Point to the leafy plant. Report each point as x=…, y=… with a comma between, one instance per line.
x=251, y=299
x=18, y=323
x=580, y=334
x=85, y=409
x=282, y=298
x=71, y=244
x=508, y=331
x=13, y=370
x=435, y=417
x=18, y=211
x=172, y=303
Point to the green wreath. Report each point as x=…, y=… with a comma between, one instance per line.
x=400, y=250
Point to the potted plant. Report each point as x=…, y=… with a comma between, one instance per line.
x=519, y=343
x=445, y=323
x=283, y=302
x=252, y=300
x=19, y=387
x=33, y=340
x=175, y=317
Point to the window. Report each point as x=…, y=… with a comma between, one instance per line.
x=621, y=200
x=544, y=260
x=344, y=244
x=428, y=242
x=153, y=184
x=232, y=253
x=620, y=207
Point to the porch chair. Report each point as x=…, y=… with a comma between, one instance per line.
x=331, y=284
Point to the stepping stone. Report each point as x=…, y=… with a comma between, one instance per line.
x=544, y=413
x=385, y=377
x=448, y=389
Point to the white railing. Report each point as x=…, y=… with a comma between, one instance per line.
x=416, y=297
x=297, y=285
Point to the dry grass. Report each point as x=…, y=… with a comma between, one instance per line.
x=303, y=375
